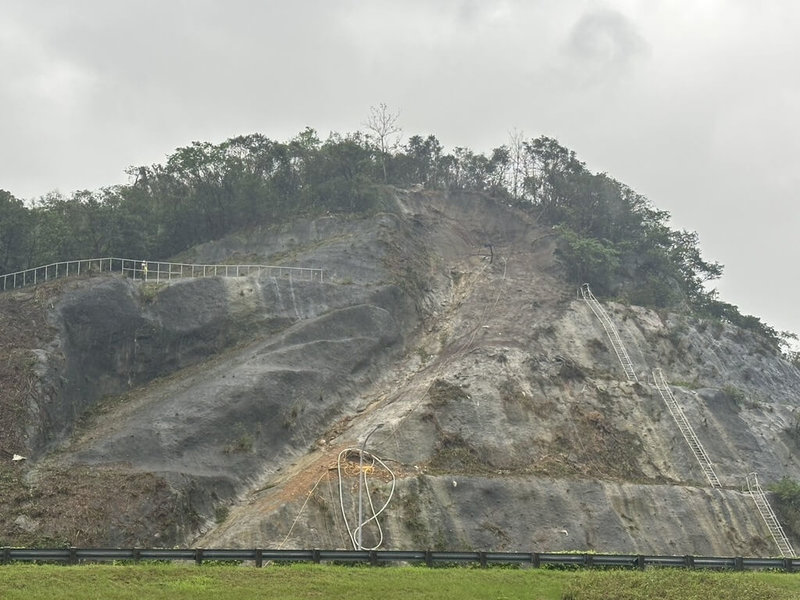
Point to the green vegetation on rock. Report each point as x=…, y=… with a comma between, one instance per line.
x=609, y=235
x=787, y=505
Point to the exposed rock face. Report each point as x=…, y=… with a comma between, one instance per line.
x=507, y=419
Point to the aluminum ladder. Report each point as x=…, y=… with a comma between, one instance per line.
x=685, y=427
x=611, y=332
x=775, y=529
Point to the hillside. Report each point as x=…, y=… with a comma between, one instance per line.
x=212, y=411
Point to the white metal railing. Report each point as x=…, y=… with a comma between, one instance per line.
x=686, y=428
x=774, y=526
x=147, y=271
x=611, y=332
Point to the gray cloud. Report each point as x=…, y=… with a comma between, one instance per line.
x=691, y=103
x=604, y=43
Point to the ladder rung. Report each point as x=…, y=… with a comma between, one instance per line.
x=685, y=428
x=768, y=515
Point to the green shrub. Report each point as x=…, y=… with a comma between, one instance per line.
x=587, y=259
x=787, y=503
x=735, y=395
x=221, y=513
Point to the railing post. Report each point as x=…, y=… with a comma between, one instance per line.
x=315, y=555
x=73, y=555
x=259, y=557
x=738, y=563
x=198, y=556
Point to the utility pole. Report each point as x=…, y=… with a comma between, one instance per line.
x=361, y=484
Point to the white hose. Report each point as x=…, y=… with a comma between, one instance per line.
x=353, y=533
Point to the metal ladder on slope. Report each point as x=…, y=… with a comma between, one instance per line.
x=611, y=332
x=685, y=427
x=775, y=529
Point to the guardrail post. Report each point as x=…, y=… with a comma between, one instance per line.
x=137, y=554
x=373, y=558
x=315, y=555
x=787, y=565
x=6, y=555
x=259, y=557
x=198, y=556
x=640, y=562
x=535, y=560
x=588, y=560
x=688, y=561
x=738, y=563
x=73, y=556
x=429, y=558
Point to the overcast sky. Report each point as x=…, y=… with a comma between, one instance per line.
x=693, y=103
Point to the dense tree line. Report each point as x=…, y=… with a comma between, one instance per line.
x=609, y=235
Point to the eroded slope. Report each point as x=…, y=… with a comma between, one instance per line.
x=506, y=417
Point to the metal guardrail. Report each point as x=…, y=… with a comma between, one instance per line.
x=430, y=558
x=147, y=270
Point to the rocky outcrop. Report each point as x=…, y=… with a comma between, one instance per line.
x=506, y=418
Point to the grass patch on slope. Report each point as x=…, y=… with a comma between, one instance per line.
x=173, y=581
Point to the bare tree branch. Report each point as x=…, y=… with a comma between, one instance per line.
x=383, y=131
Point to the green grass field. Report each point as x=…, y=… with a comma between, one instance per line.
x=174, y=582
